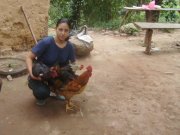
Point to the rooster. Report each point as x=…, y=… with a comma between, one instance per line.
x=67, y=73
x=0, y=84
x=73, y=87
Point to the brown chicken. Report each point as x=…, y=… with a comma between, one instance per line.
x=0, y=84
x=76, y=86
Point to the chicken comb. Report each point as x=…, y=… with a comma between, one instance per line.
x=81, y=67
x=89, y=68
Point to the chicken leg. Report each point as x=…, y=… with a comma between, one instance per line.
x=70, y=105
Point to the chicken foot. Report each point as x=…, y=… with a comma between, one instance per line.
x=70, y=106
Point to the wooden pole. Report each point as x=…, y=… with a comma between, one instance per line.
x=149, y=18
x=29, y=25
x=149, y=33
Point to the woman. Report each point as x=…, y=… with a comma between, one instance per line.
x=50, y=51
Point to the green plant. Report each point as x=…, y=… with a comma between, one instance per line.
x=58, y=9
x=129, y=29
x=110, y=25
x=170, y=16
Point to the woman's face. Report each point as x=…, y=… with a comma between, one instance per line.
x=62, y=31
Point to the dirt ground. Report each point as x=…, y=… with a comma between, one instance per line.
x=130, y=93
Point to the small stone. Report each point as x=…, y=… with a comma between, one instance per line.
x=169, y=73
x=9, y=78
x=11, y=69
x=155, y=49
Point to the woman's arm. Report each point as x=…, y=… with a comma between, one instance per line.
x=29, y=62
x=72, y=57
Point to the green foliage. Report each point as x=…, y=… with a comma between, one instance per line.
x=129, y=29
x=130, y=3
x=170, y=16
x=58, y=9
x=84, y=11
x=99, y=10
x=76, y=11
x=135, y=17
x=110, y=25
x=107, y=14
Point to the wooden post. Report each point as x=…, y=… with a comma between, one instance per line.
x=29, y=25
x=149, y=18
x=149, y=33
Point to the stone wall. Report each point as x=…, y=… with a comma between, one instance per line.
x=14, y=31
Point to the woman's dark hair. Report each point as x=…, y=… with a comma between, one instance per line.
x=63, y=20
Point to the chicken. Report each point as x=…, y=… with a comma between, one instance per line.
x=73, y=87
x=41, y=70
x=0, y=84
x=67, y=73
x=52, y=74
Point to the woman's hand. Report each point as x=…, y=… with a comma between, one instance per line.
x=29, y=58
x=35, y=78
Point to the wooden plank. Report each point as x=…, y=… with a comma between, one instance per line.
x=148, y=25
x=158, y=9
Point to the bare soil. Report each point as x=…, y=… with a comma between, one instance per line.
x=130, y=93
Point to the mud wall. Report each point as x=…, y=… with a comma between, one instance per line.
x=14, y=31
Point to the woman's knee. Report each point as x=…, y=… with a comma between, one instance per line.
x=40, y=90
